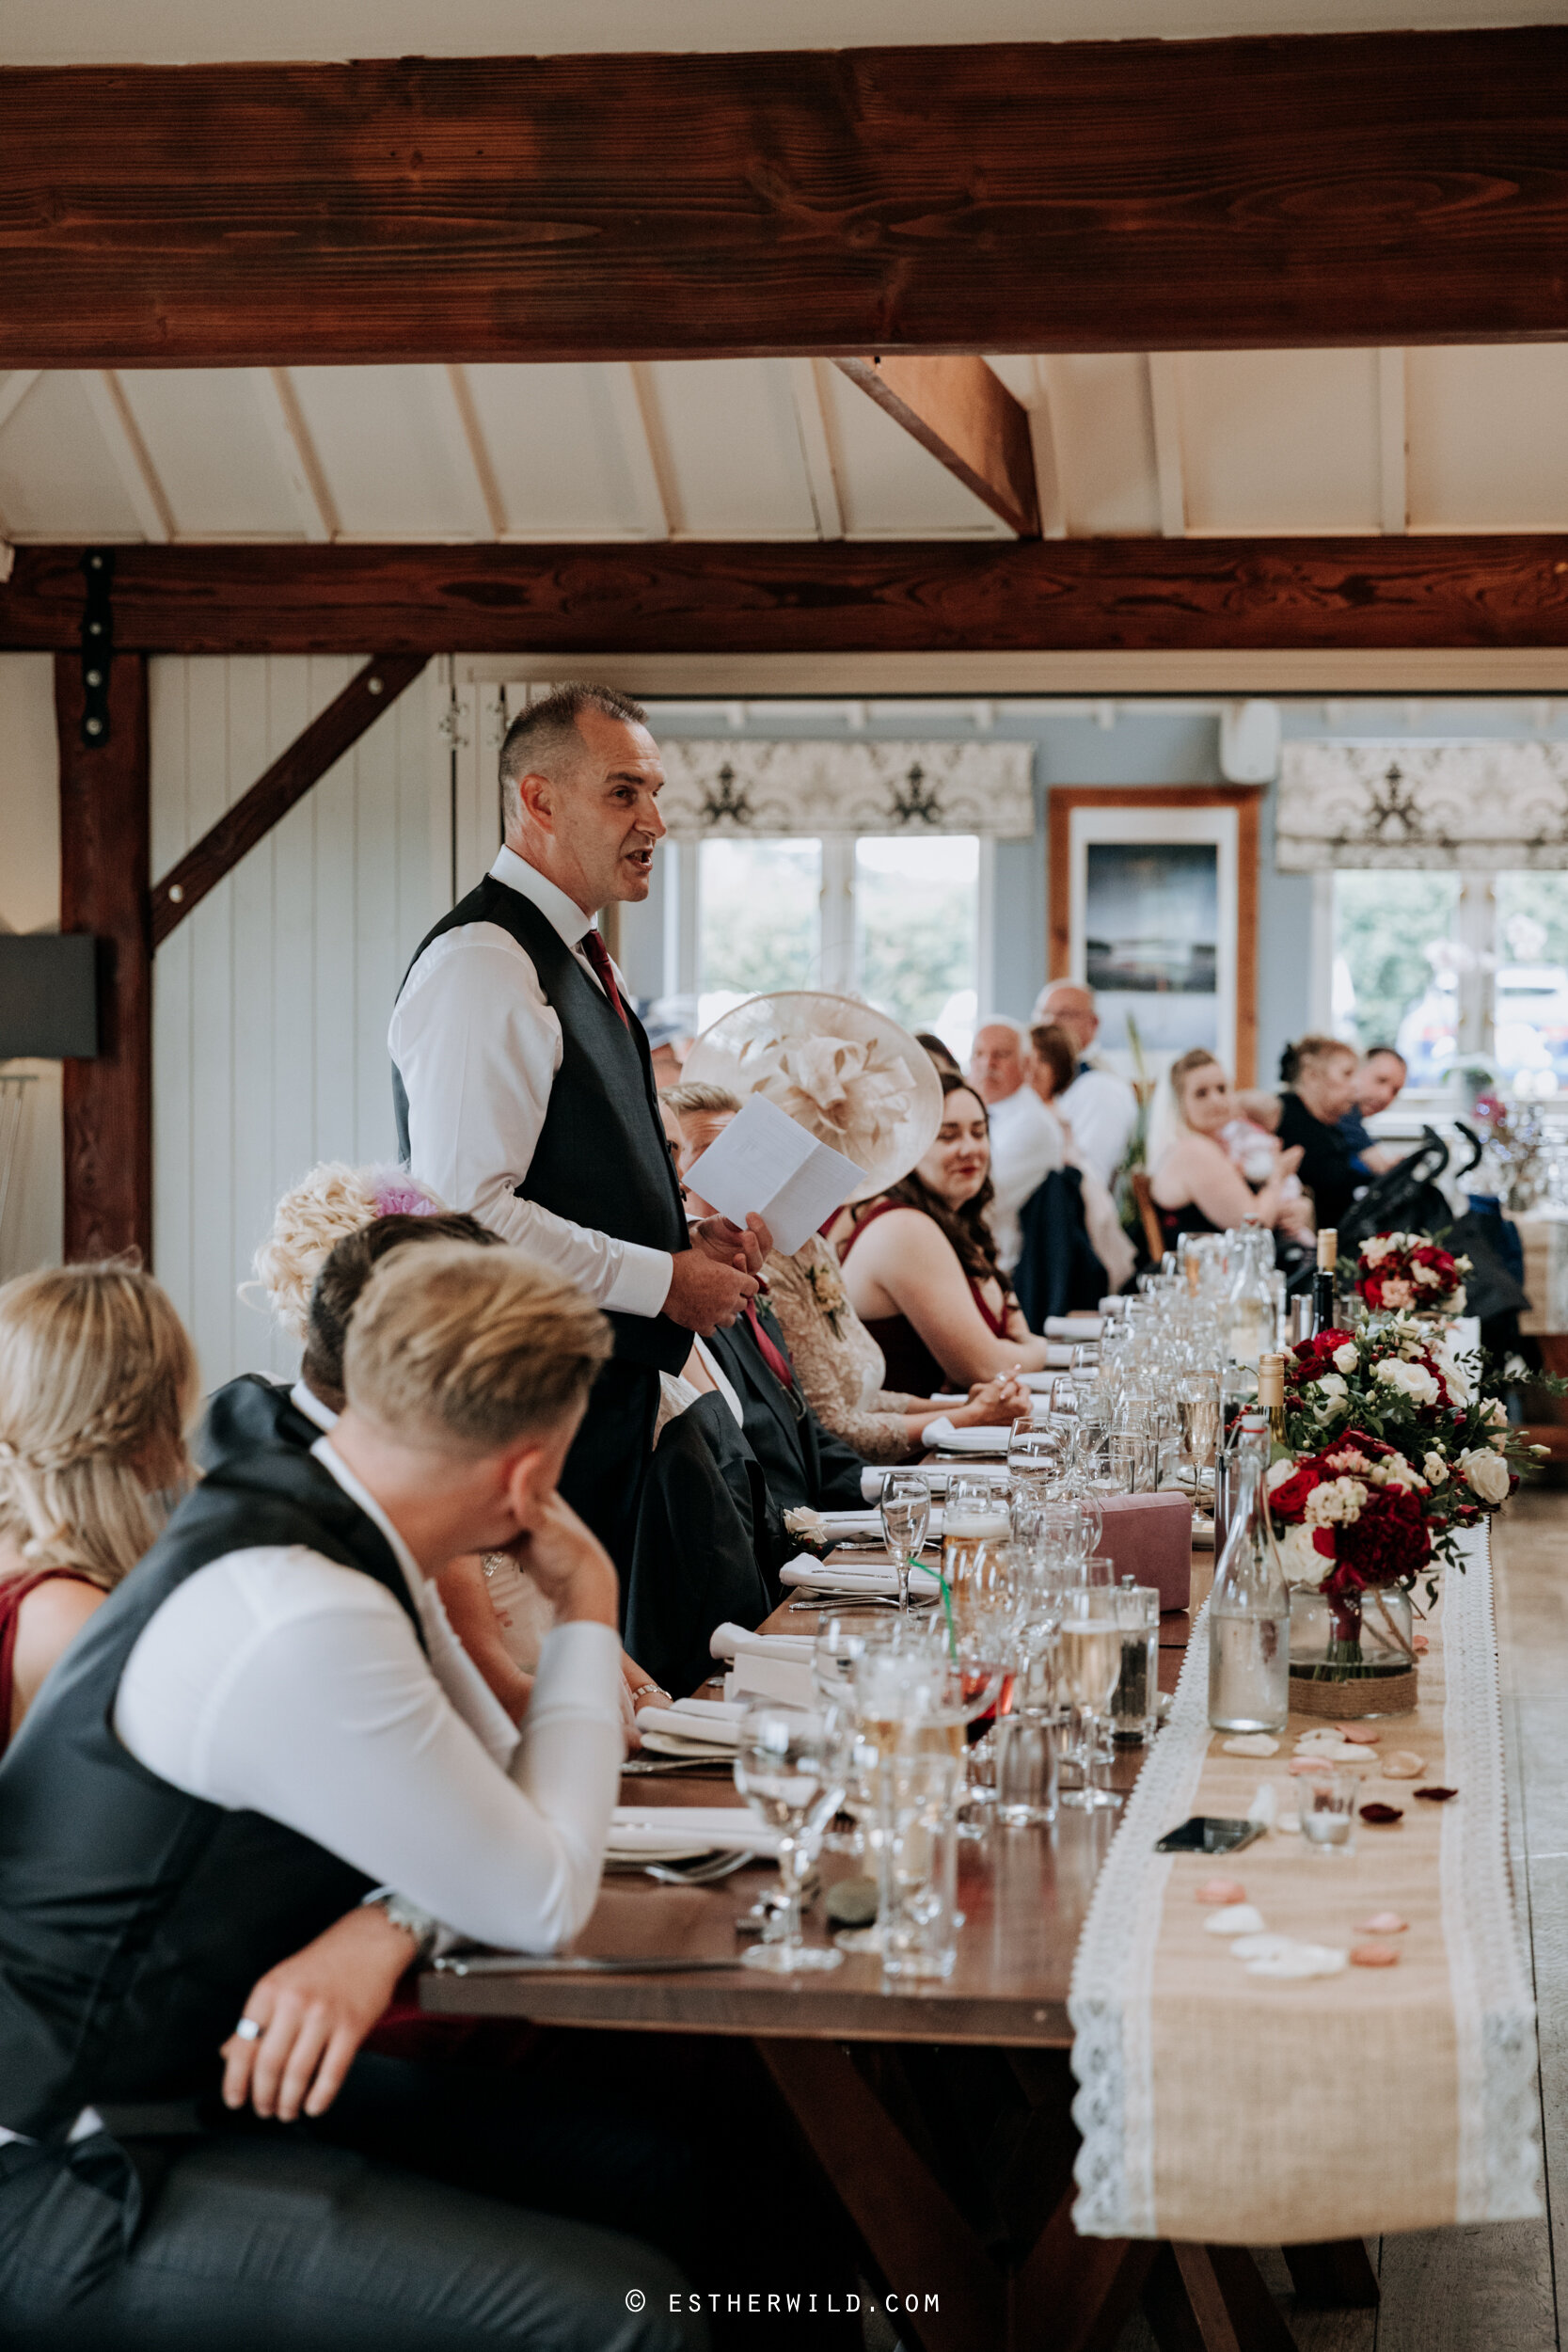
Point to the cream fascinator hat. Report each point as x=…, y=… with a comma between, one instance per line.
x=850, y=1076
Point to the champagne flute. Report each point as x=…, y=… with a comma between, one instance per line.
x=906, y=1514
x=789, y=1768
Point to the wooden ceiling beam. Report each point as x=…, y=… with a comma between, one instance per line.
x=793, y=596
x=1379, y=188
x=959, y=409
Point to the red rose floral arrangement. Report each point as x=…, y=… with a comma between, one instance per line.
x=1402, y=1274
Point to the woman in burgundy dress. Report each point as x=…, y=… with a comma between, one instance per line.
x=98, y=1383
x=920, y=1265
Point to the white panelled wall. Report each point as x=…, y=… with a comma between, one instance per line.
x=271, y=1000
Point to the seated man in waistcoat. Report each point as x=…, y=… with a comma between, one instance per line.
x=523, y=1085
x=268, y=1723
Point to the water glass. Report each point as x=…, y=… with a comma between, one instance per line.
x=1329, y=1803
x=905, y=1516
x=976, y=1514
x=1090, y=1651
x=1136, y=1702
x=1131, y=1459
x=789, y=1768
x=919, y=1914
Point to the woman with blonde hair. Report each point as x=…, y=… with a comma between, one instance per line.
x=98, y=1382
x=1197, y=1186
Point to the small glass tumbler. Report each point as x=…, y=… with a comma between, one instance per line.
x=1329, y=1803
x=1025, y=1753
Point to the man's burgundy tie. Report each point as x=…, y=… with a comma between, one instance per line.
x=598, y=956
x=772, y=1355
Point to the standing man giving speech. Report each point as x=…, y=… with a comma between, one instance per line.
x=524, y=1090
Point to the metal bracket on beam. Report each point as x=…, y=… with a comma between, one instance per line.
x=98, y=646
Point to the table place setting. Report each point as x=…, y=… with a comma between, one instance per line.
x=701, y=1729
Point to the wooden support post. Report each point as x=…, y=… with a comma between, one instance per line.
x=104, y=878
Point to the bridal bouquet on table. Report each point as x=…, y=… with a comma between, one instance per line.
x=1406, y=1274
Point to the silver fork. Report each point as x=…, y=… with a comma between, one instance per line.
x=704, y=1871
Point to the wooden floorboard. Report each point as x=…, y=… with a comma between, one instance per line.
x=1494, y=2288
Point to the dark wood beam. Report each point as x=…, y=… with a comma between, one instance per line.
x=337, y=728
x=1358, y=188
x=103, y=866
x=1063, y=594
x=959, y=409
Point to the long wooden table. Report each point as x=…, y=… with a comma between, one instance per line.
x=941, y=2113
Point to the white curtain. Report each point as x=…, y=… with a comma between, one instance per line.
x=1490, y=808
x=857, y=787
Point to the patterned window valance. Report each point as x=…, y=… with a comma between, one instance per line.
x=1488, y=806
x=799, y=787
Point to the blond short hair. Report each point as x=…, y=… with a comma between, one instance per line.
x=97, y=1379
x=698, y=1099
x=468, y=1349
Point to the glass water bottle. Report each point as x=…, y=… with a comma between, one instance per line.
x=1249, y=1614
x=1249, y=1310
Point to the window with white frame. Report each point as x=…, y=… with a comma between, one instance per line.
x=1454, y=967
x=896, y=918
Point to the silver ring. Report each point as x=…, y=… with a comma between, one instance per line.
x=247, y=2030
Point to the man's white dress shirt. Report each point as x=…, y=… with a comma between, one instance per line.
x=278, y=1681
x=1025, y=1146
x=478, y=1048
x=1103, y=1110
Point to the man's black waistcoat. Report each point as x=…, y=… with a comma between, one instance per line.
x=133, y=1918
x=601, y=1159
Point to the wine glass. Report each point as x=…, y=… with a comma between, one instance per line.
x=906, y=1514
x=789, y=1768
x=1089, y=1652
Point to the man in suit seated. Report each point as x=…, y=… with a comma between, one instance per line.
x=805, y=1465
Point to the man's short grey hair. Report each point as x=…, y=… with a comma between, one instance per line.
x=1003, y=1021
x=546, y=740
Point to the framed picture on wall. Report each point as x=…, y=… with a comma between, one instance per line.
x=1154, y=900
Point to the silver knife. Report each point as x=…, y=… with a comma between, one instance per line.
x=520, y=1964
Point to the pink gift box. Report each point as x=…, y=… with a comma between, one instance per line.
x=1150, y=1538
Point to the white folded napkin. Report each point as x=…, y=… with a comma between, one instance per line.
x=714, y=1828
x=935, y=1475
x=788, y=1680
x=1079, y=1330
x=715, y=1722
x=833, y=1576
x=733, y=1641
x=984, y=1441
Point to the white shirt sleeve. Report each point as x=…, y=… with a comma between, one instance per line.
x=478, y=1047
x=1103, y=1111
x=1025, y=1146
x=277, y=1681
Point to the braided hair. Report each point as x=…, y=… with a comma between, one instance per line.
x=98, y=1379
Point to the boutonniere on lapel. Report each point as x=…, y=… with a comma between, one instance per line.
x=827, y=1289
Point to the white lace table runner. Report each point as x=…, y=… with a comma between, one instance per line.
x=1218, y=2106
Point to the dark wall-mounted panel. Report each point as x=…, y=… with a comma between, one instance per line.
x=48, y=996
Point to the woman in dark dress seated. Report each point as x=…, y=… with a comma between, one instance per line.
x=920, y=1265
x=1321, y=1073
x=1197, y=1186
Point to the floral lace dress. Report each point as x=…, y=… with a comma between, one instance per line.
x=837, y=1362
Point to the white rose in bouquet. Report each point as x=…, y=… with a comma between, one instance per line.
x=1412, y=1380
x=1485, y=1474
x=1332, y=1387
x=1435, y=1469
x=1347, y=1358
x=1300, y=1558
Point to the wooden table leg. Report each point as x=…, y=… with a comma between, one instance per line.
x=1213, y=2298
x=920, y=2241
x=1336, y=2275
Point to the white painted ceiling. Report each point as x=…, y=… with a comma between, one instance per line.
x=1203, y=443
x=174, y=32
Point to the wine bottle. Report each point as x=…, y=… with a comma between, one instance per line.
x=1271, y=1394
x=1325, y=1279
